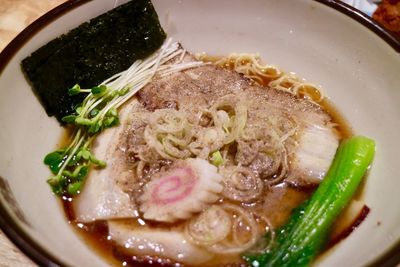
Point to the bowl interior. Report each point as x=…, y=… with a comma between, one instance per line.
x=357, y=70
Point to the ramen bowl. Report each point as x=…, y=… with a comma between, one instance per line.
x=355, y=61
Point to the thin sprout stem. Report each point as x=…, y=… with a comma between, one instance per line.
x=131, y=71
x=89, y=141
x=130, y=94
x=95, y=102
x=70, y=156
x=76, y=138
x=109, y=105
x=157, y=63
x=115, y=76
x=86, y=106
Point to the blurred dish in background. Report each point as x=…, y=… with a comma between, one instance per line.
x=385, y=12
x=15, y=15
x=388, y=14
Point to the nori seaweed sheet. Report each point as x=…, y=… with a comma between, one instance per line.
x=91, y=53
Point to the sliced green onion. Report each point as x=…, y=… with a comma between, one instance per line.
x=216, y=158
x=76, y=89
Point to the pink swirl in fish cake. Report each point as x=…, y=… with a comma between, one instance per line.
x=174, y=187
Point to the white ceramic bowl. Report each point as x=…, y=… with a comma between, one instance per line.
x=356, y=62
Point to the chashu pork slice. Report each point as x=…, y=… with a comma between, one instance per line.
x=313, y=156
x=102, y=197
x=157, y=242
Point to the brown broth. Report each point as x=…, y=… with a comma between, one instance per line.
x=278, y=204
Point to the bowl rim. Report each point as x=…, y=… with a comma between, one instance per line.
x=42, y=257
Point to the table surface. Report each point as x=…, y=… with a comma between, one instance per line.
x=15, y=15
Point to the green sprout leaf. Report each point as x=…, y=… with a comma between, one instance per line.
x=74, y=188
x=113, y=112
x=124, y=90
x=54, y=180
x=73, y=161
x=81, y=172
x=84, y=153
x=100, y=163
x=95, y=127
x=216, y=158
x=111, y=121
x=99, y=90
x=57, y=184
x=76, y=89
x=113, y=94
x=78, y=110
x=94, y=112
x=54, y=160
x=83, y=121
x=67, y=174
x=69, y=118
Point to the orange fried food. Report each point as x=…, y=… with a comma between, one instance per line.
x=388, y=14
